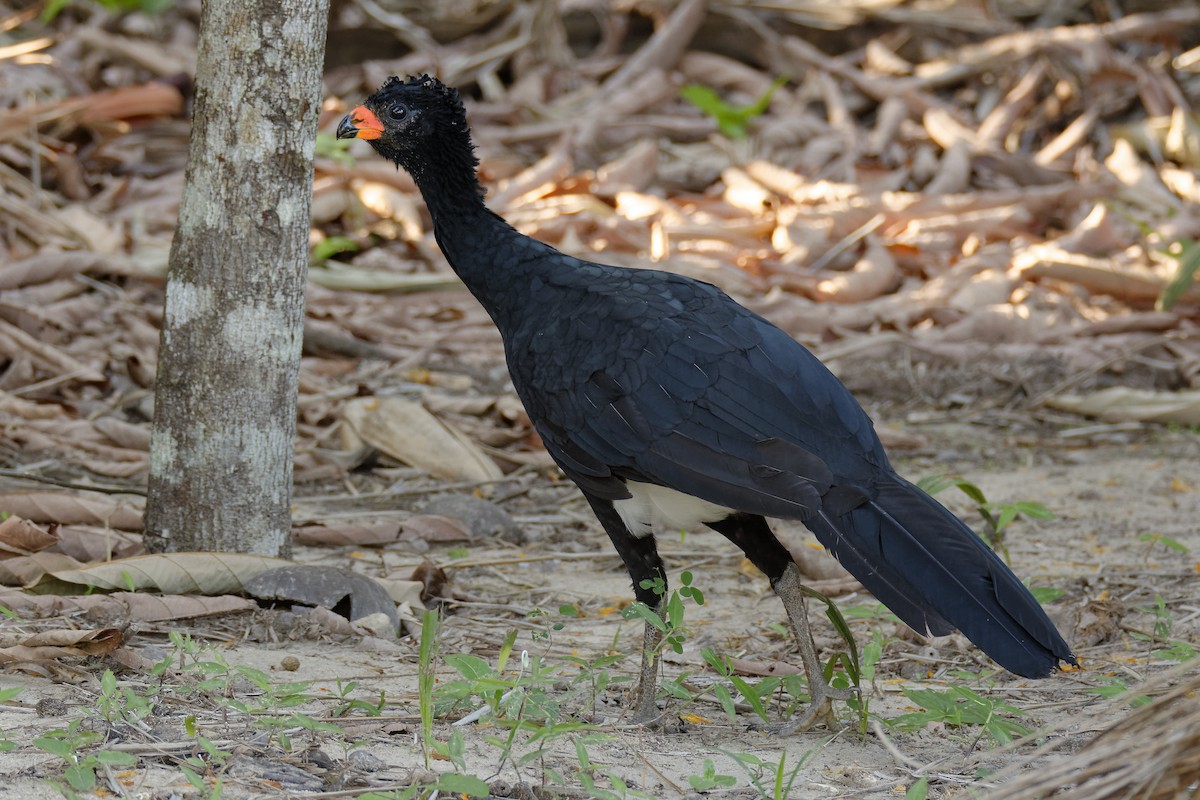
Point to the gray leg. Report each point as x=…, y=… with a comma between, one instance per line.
x=644, y=706
x=788, y=589
x=751, y=533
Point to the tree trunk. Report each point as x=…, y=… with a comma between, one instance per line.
x=225, y=407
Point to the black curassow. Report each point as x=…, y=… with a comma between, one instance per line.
x=671, y=406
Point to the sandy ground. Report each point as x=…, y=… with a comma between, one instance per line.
x=1107, y=488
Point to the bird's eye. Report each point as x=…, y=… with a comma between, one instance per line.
x=397, y=111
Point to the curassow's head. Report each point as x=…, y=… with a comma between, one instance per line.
x=419, y=124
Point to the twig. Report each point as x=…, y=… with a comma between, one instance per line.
x=25, y=476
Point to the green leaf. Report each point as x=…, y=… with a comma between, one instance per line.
x=1165, y=541
x=471, y=667
x=82, y=777
x=1187, y=260
x=1007, y=515
x=457, y=783
x=115, y=758
x=55, y=746
x=9, y=694
x=726, y=700
x=750, y=695
x=1033, y=510
x=971, y=490
x=506, y=648
x=733, y=121
x=331, y=246
x=918, y=791
x=932, y=484
x=1046, y=594
x=646, y=614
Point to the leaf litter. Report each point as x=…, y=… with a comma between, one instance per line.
x=983, y=218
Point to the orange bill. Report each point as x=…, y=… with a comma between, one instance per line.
x=361, y=123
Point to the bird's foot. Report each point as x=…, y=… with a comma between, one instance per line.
x=820, y=710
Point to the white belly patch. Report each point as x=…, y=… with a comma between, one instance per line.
x=654, y=507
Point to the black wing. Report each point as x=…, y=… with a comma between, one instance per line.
x=658, y=378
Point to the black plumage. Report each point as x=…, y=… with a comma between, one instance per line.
x=667, y=402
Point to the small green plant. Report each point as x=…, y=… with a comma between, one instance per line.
x=996, y=516
x=349, y=705
x=73, y=746
x=711, y=779
x=957, y=706
x=918, y=791
x=55, y=7
x=331, y=246
x=733, y=121
x=1166, y=542
x=426, y=675
x=588, y=771
x=11, y=693
x=670, y=622
x=772, y=781
x=1164, y=622
x=1163, y=619
x=1045, y=594
x=200, y=769
x=756, y=695
x=1186, y=253
x=1113, y=686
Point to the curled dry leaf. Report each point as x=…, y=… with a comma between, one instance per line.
x=873, y=275
x=346, y=535
x=1118, y=276
x=763, y=669
x=433, y=580
x=22, y=536
x=404, y=430
x=49, y=645
x=434, y=528
x=123, y=513
x=28, y=570
x=127, y=607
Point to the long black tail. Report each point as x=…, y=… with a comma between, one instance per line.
x=934, y=573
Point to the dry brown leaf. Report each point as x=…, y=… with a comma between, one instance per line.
x=88, y=545
x=388, y=202
x=434, y=528
x=333, y=275
x=168, y=573
x=633, y=170
x=14, y=341
x=27, y=570
x=346, y=535
x=22, y=536
x=1122, y=404
x=763, y=669
x=404, y=430
x=124, y=513
x=145, y=607
x=49, y=645
x=1117, y=277
x=124, y=434
x=874, y=274
x=47, y=266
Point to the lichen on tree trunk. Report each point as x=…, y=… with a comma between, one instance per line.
x=224, y=426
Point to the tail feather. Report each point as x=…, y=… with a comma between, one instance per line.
x=934, y=573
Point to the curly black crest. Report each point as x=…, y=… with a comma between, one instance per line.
x=435, y=129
